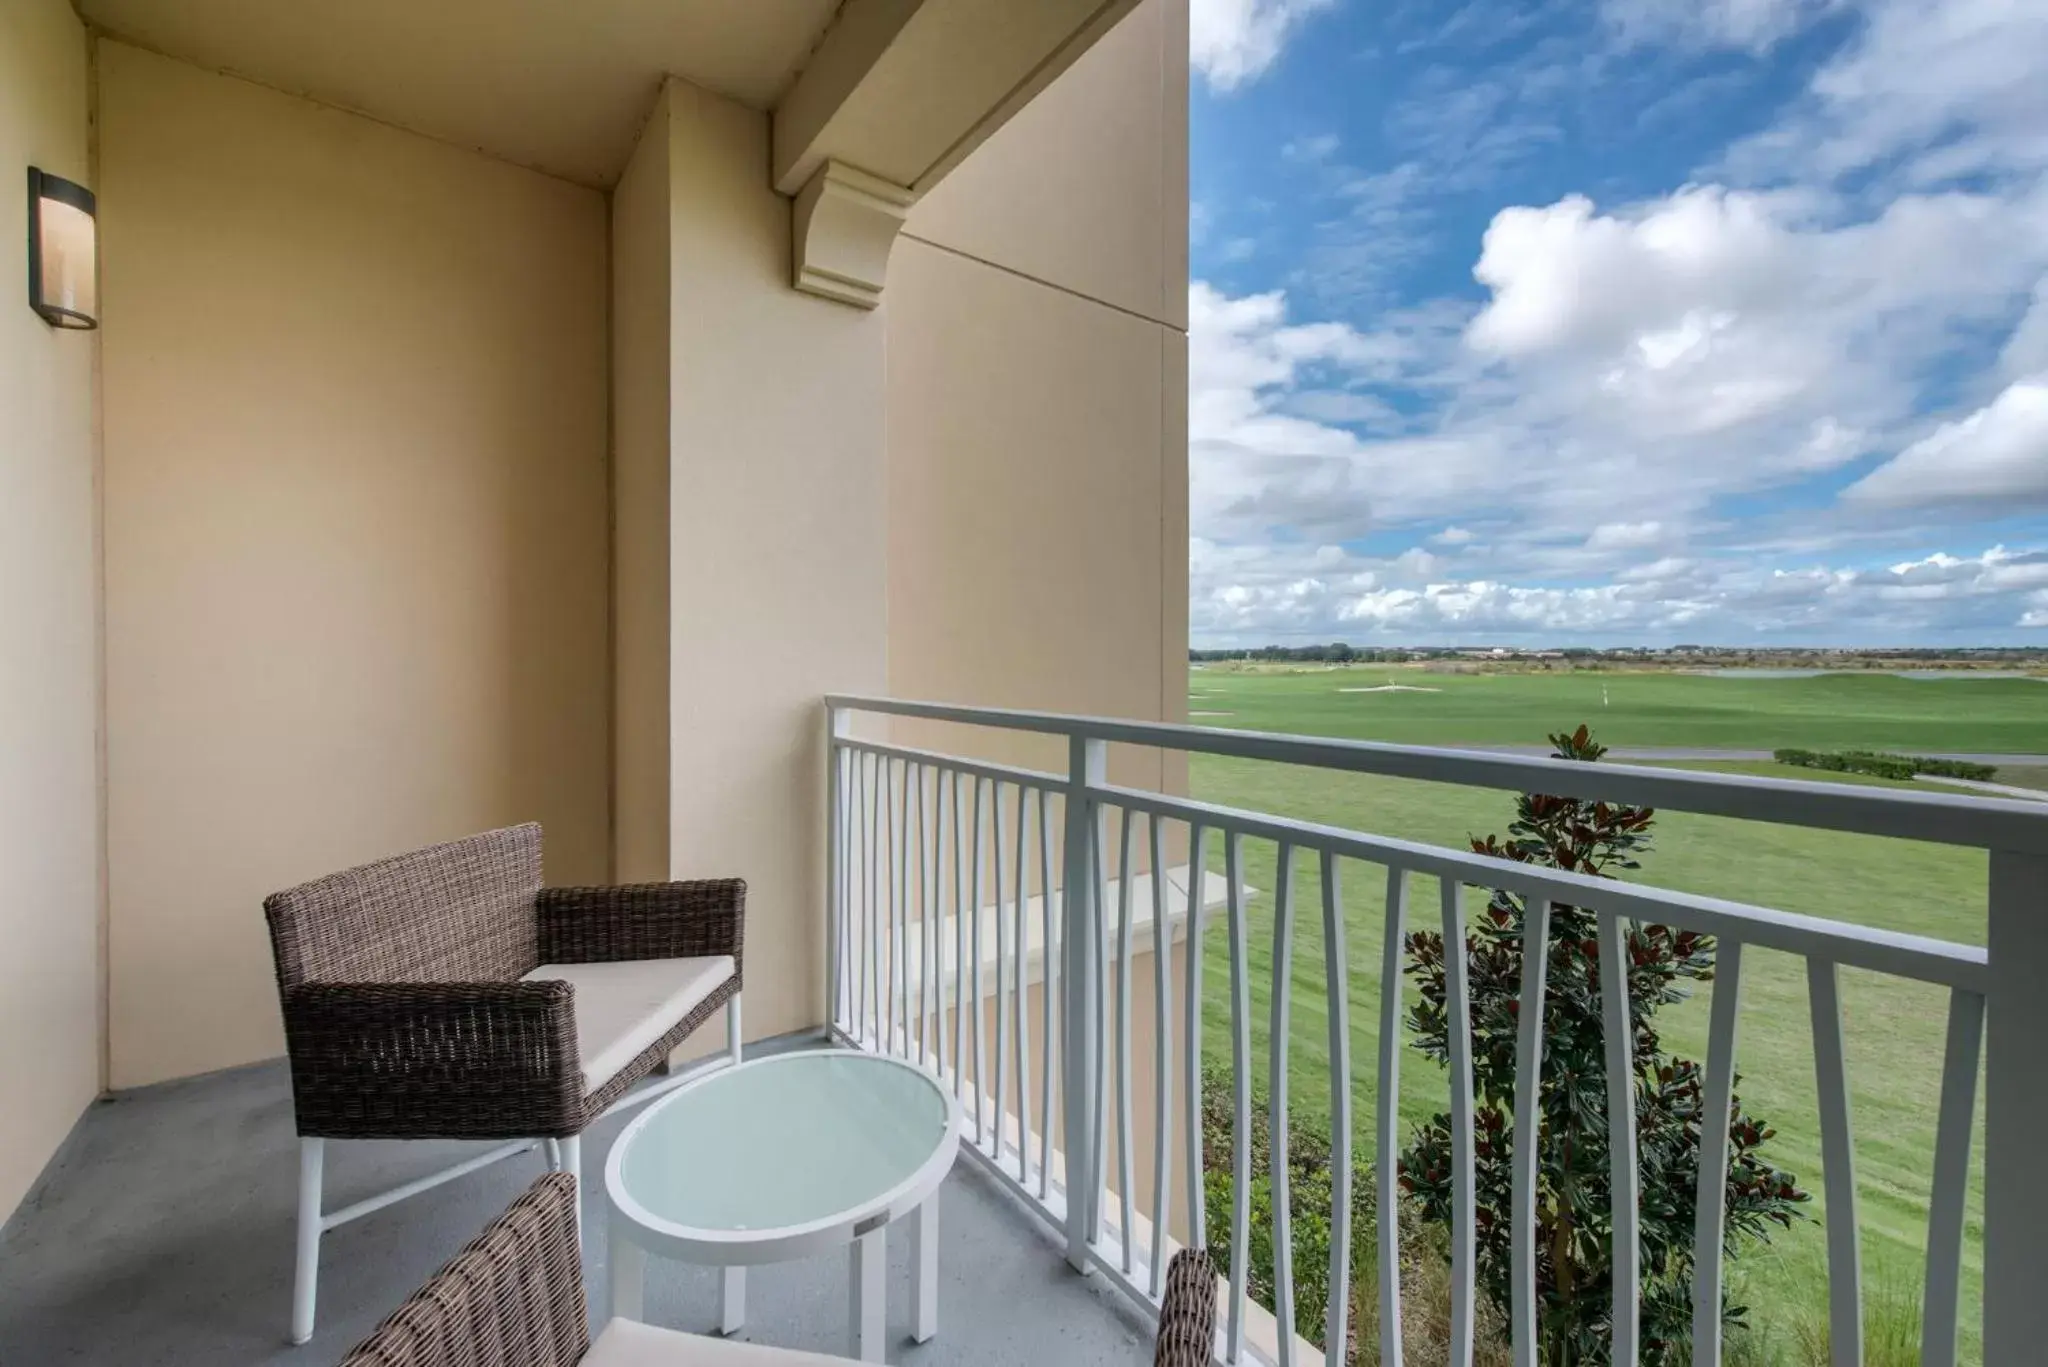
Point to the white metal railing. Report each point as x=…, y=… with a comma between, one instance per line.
x=932, y=864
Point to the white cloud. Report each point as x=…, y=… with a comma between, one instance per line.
x=1319, y=148
x=1266, y=445
x=1755, y=25
x=1234, y=41
x=1255, y=595
x=1927, y=91
x=1625, y=536
x=2026, y=350
x=1997, y=455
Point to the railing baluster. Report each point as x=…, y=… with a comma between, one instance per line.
x=1081, y=1047
x=927, y=920
x=1387, y=1118
x=960, y=915
x=924, y=929
x=1712, y=1201
x=1191, y=1068
x=1618, y=1029
x=1023, y=1022
x=864, y=962
x=1938, y=1316
x=1276, y=1089
x=835, y=870
x=878, y=878
x=942, y=806
x=899, y=833
x=1337, y=1000
x=1048, y=981
x=1162, y=1053
x=1124, y=1164
x=849, y=803
x=1528, y=1123
x=1241, y=1110
x=1094, y=1010
x=980, y=1052
x=1838, y=1165
x=1003, y=1009
x=1464, y=1176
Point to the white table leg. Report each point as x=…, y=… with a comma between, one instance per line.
x=628, y=1271
x=924, y=1270
x=732, y=1304
x=869, y=1311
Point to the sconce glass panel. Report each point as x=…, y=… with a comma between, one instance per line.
x=63, y=284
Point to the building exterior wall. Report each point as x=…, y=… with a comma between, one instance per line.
x=49, y=671
x=1037, y=405
x=355, y=503
x=640, y=498
x=778, y=580
x=1037, y=309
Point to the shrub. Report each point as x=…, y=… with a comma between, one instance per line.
x=1882, y=765
x=1425, y=1271
x=1574, y=1271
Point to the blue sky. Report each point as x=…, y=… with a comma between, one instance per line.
x=1619, y=321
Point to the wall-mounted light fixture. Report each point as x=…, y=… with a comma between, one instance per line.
x=63, y=280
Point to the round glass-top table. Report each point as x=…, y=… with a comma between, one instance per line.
x=777, y=1159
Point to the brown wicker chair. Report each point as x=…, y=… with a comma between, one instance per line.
x=445, y=994
x=514, y=1298
x=1187, y=1313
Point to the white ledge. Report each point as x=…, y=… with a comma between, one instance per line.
x=844, y=224
x=1214, y=890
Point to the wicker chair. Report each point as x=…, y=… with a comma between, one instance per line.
x=445, y=994
x=514, y=1298
x=1187, y=1313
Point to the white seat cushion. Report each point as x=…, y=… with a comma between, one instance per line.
x=622, y=1008
x=628, y=1343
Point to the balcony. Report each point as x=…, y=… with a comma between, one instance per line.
x=1074, y=1032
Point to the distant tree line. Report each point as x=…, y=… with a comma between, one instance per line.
x=1337, y=652
x=1341, y=652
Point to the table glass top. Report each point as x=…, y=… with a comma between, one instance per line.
x=783, y=1141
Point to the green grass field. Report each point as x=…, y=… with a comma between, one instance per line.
x=1831, y=712
x=1894, y=1029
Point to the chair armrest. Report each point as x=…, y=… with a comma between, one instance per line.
x=643, y=921
x=1187, y=1312
x=464, y=1060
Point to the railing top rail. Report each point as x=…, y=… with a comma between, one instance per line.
x=1940, y=818
x=978, y=768
x=1880, y=951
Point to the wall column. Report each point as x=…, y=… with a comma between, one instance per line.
x=777, y=543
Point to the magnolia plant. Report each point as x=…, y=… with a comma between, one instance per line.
x=1574, y=1235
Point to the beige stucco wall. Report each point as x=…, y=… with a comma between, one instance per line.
x=355, y=435
x=1037, y=309
x=1037, y=394
x=49, y=690
x=778, y=583
x=1037, y=403
x=640, y=498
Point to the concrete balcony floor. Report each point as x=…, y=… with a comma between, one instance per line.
x=162, y=1234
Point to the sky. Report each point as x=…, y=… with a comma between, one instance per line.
x=1619, y=322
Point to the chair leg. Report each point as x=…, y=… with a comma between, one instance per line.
x=732, y=1028
x=306, y=1280
x=553, y=1149
x=572, y=1163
